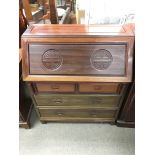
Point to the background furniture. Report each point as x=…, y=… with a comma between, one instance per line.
x=59, y=13
x=25, y=102
x=127, y=113
x=34, y=12
x=78, y=73
x=126, y=116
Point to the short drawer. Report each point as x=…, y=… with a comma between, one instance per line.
x=99, y=87
x=55, y=87
x=77, y=113
x=77, y=100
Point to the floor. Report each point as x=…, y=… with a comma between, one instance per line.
x=75, y=139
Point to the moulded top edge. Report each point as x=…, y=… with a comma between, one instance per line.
x=46, y=30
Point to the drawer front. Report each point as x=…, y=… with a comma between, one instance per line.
x=93, y=59
x=99, y=87
x=55, y=87
x=77, y=100
x=73, y=113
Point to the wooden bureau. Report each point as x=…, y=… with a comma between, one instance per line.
x=78, y=73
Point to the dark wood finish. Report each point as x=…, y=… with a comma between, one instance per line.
x=54, y=16
x=120, y=40
x=24, y=125
x=55, y=87
x=90, y=67
x=22, y=22
x=20, y=56
x=25, y=122
x=32, y=94
x=127, y=113
x=100, y=88
x=78, y=120
x=83, y=113
x=78, y=30
x=34, y=15
x=77, y=59
x=78, y=100
x=43, y=122
x=27, y=9
x=25, y=104
x=53, y=12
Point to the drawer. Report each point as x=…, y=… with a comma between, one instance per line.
x=77, y=113
x=99, y=87
x=55, y=87
x=68, y=59
x=77, y=100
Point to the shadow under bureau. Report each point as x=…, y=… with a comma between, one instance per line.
x=78, y=73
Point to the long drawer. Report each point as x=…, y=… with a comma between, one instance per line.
x=76, y=113
x=77, y=100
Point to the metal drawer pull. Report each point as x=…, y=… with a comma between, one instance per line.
x=97, y=101
x=93, y=114
x=60, y=114
x=55, y=86
x=97, y=87
x=58, y=101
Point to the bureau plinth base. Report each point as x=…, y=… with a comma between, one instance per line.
x=77, y=120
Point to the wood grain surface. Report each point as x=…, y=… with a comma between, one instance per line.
x=83, y=113
x=55, y=87
x=73, y=30
x=79, y=100
x=75, y=44
x=99, y=87
x=76, y=59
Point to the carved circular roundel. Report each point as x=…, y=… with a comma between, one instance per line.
x=52, y=59
x=101, y=59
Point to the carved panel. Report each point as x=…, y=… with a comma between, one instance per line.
x=101, y=59
x=51, y=59
x=77, y=59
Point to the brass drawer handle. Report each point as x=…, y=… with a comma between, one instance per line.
x=97, y=87
x=57, y=101
x=60, y=114
x=97, y=101
x=55, y=87
x=93, y=114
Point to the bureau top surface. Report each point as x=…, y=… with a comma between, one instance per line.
x=74, y=30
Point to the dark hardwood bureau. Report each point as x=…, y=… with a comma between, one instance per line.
x=78, y=73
